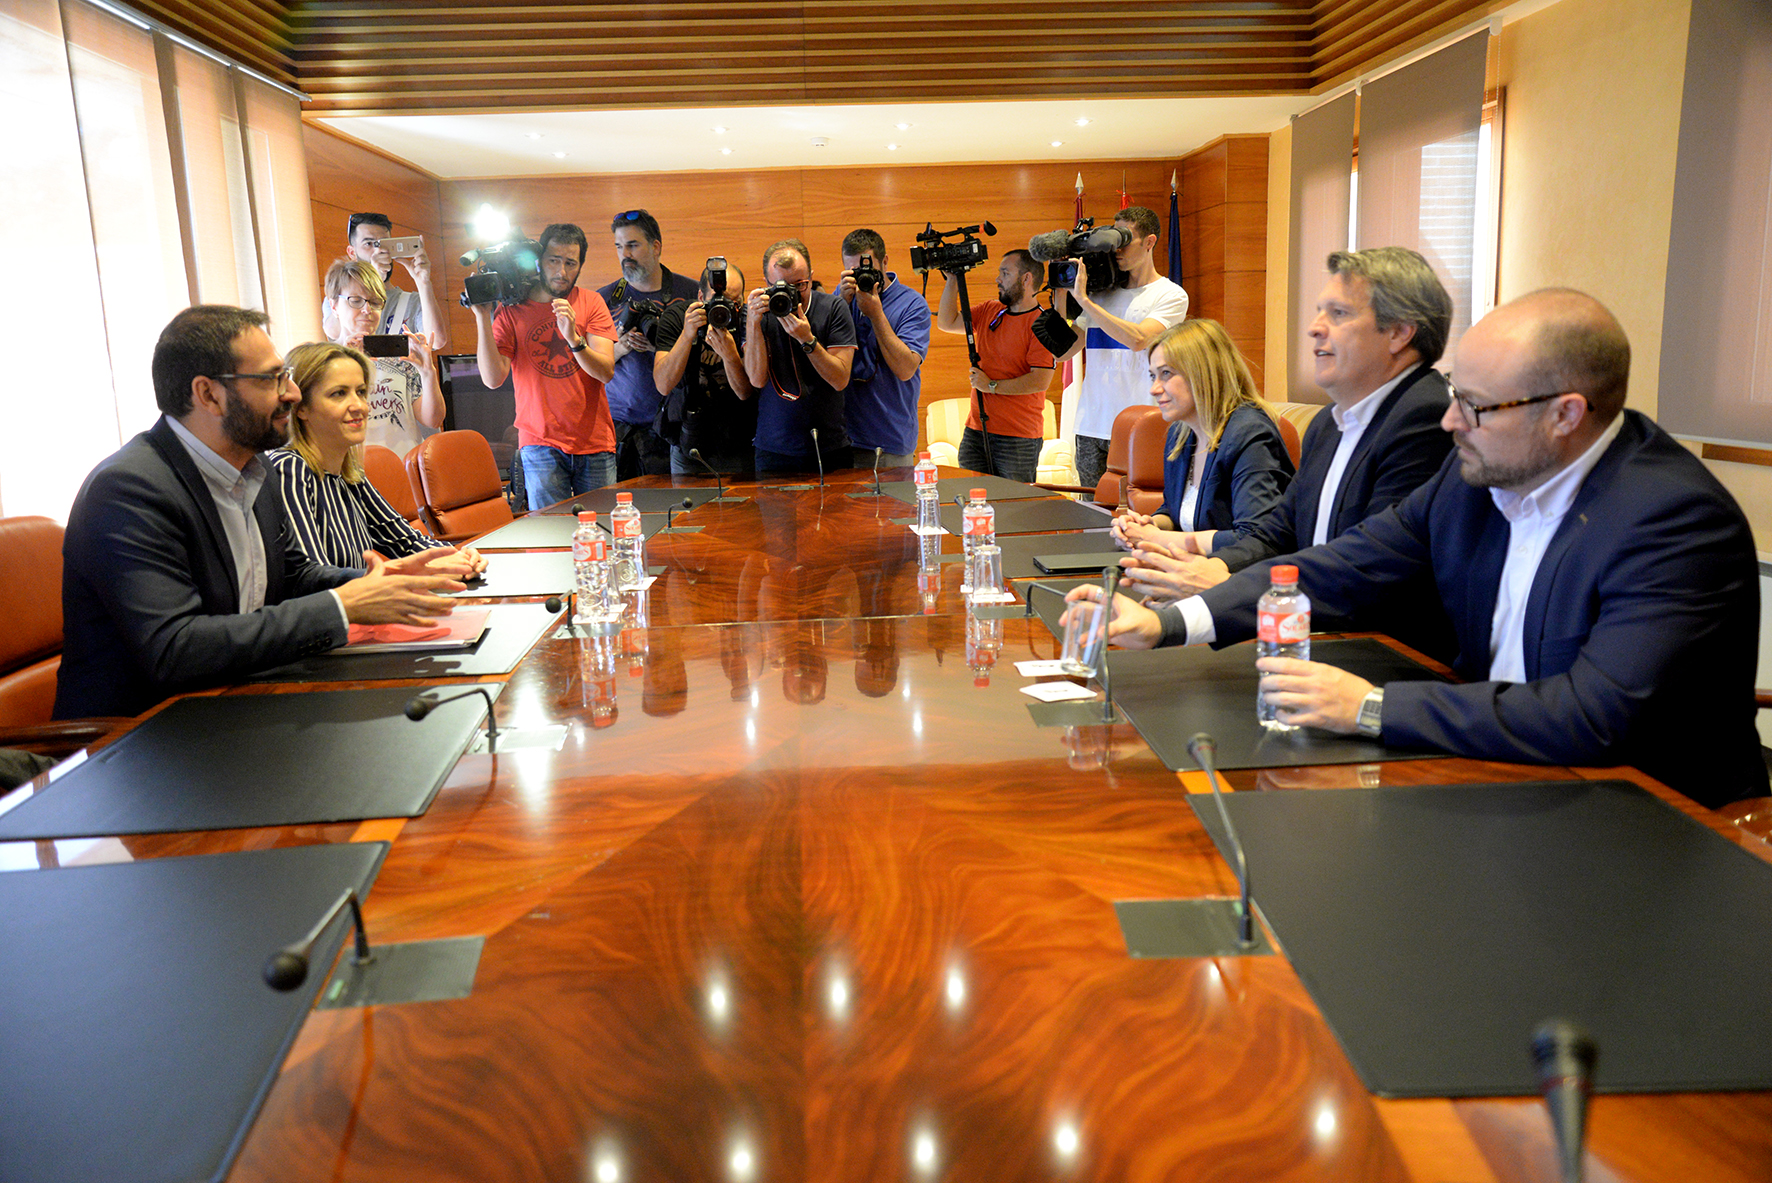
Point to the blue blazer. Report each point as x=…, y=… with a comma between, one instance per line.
x=1640, y=630
x=150, y=596
x=1243, y=481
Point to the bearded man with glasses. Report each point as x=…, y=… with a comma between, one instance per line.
x=179, y=571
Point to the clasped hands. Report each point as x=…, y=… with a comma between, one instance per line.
x=1165, y=566
x=406, y=590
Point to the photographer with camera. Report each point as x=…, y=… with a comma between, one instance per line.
x=797, y=353
x=1014, y=370
x=891, y=340
x=402, y=311
x=700, y=363
x=557, y=345
x=406, y=392
x=1115, y=327
x=636, y=301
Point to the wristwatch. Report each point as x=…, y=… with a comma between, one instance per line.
x=584, y=343
x=993, y=386
x=808, y=347
x=1370, y=721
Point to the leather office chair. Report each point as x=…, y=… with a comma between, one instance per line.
x=1289, y=437
x=1296, y=417
x=462, y=488
x=384, y=469
x=31, y=642
x=416, y=485
x=1111, y=489
x=1146, y=450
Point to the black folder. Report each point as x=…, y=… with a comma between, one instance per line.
x=140, y=1037
x=553, y=531
x=239, y=760
x=1169, y=694
x=1436, y=927
x=1035, y=517
x=1019, y=550
x=543, y=573
x=511, y=631
x=996, y=488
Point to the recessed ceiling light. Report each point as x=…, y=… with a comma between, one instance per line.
x=559, y=156
x=1081, y=122
x=902, y=126
x=726, y=151
x=532, y=135
x=719, y=131
x=891, y=147
x=1058, y=143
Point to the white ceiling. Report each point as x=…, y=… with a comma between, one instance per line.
x=679, y=139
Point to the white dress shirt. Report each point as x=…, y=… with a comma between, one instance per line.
x=1352, y=423
x=1532, y=521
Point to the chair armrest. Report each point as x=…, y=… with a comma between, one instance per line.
x=1064, y=488
x=61, y=738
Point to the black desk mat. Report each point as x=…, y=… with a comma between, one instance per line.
x=553, y=531
x=511, y=631
x=650, y=500
x=1437, y=927
x=1019, y=549
x=996, y=488
x=235, y=761
x=143, y=1037
x=544, y=573
x=1170, y=694
x=1035, y=517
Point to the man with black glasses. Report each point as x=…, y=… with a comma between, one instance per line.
x=178, y=569
x=798, y=360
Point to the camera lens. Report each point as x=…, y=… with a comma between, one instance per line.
x=720, y=314
x=781, y=303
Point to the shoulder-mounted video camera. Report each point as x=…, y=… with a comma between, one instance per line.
x=504, y=273
x=1087, y=247
x=937, y=254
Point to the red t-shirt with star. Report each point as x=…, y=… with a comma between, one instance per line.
x=558, y=404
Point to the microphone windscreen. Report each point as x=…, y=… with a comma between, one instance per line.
x=989, y=230
x=418, y=706
x=553, y=603
x=286, y=970
x=1054, y=244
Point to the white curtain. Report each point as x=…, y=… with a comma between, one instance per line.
x=142, y=176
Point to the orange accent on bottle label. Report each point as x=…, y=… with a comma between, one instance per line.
x=1283, y=628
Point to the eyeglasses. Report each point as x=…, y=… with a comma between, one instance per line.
x=1473, y=414
x=359, y=303
x=277, y=377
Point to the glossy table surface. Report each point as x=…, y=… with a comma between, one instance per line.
x=805, y=895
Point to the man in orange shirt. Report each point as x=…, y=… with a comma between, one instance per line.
x=1013, y=371
x=558, y=347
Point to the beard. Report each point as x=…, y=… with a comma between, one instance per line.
x=632, y=269
x=561, y=287
x=1485, y=474
x=1005, y=296
x=250, y=429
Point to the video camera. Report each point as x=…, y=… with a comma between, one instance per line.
x=936, y=254
x=722, y=312
x=1087, y=246
x=505, y=272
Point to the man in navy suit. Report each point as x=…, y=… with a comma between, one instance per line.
x=1382, y=322
x=178, y=569
x=1603, y=585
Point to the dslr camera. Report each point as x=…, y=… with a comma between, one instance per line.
x=867, y=277
x=504, y=273
x=722, y=312
x=1085, y=246
x=639, y=312
x=937, y=254
x=783, y=296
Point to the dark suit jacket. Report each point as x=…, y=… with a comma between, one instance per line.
x=1400, y=449
x=1245, y=476
x=150, y=601
x=1641, y=626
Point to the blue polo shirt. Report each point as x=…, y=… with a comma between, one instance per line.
x=633, y=398
x=796, y=399
x=882, y=411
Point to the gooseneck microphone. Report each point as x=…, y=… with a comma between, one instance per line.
x=719, y=482
x=420, y=705
x=688, y=503
x=877, y=453
x=287, y=968
x=1564, y=1055
x=820, y=456
x=1203, y=750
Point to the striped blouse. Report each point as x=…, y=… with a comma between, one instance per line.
x=335, y=521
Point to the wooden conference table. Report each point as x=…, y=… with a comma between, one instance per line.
x=806, y=896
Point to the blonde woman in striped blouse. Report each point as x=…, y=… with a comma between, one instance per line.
x=335, y=513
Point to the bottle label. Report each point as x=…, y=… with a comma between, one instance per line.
x=587, y=548
x=1283, y=628
x=628, y=528
x=980, y=523
x=924, y=476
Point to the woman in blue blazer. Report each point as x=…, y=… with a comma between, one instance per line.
x=1221, y=490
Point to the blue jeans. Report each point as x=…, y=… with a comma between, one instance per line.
x=552, y=476
x=1014, y=457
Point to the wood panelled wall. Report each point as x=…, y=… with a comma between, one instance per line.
x=739, y=213
x=1224, y=240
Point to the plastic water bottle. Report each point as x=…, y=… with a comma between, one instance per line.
x=928, y=495
x=630, y=543
x=979, y=523
x=1282, y=629
x=591, y=569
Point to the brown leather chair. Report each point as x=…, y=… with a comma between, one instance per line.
x=1144, y=464
x=416, y=484
x=387, y=473
x=1289, y=437
x=1110, y=491
x=31, y=642
x=462, y=489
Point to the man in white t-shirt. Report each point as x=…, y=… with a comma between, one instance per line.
x=1113, y=330
x=405, y=393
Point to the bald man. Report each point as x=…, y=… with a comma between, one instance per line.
x=1603, y=585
